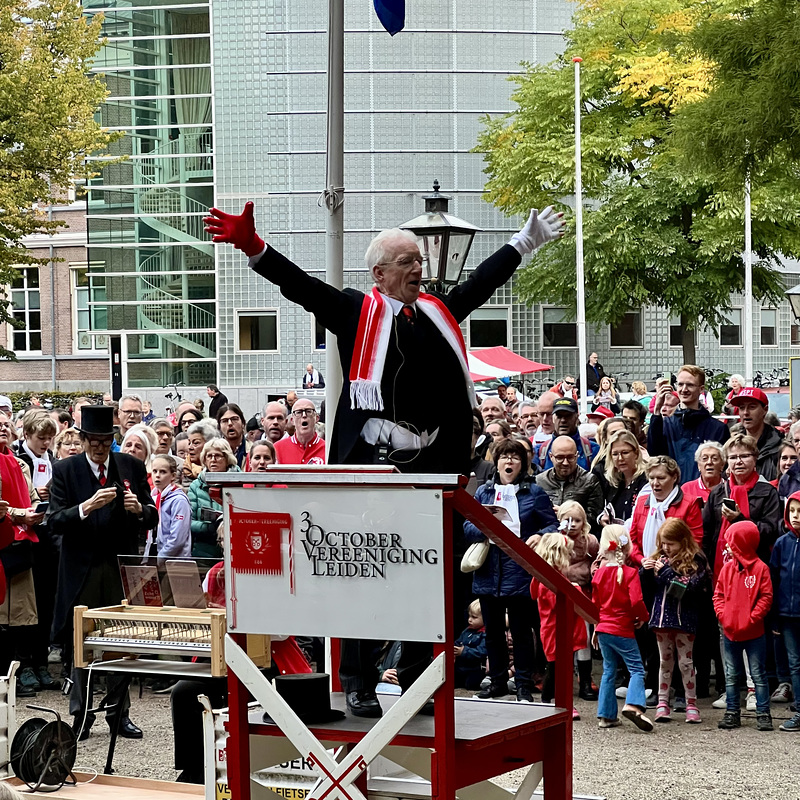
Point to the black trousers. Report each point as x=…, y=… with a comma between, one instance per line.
x=520, y=609
x=45, y=579
x=187, y=722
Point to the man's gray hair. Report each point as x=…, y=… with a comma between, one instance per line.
x=794, y=430
x=534, y=404
x=207, y=428
x=130, y=397
x=376, y=251
x=710, y=444
x=276, y=403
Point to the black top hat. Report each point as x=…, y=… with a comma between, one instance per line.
x=308, y=696
x=97, y=420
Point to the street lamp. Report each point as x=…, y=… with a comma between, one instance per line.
x=794, y=300
x=446, y=240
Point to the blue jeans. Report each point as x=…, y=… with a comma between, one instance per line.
x=617, y=650
x=756, y=650
x=790, y=632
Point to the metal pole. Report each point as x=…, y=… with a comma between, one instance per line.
x=579, y=279
x=334, y=197
x=748, y=288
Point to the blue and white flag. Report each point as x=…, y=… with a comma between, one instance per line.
x=392, y=14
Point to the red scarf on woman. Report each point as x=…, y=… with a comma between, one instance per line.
x=739, y=493
x=14, y=490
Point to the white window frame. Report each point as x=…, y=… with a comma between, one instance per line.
x=741, y=331
x=541, y=331
x=761, y=327
x=22, y=269
x=669, y=325
x=507, y=310
x=257, y=312
x=99, y=339
x=792, y=326
x=641, y=333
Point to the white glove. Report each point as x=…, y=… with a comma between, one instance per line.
x=538, y=230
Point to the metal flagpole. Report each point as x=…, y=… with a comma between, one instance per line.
x=748, y=288
x=579, y=279
x=334, y=197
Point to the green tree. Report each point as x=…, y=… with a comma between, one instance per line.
x=656, y=232
x=47, y=126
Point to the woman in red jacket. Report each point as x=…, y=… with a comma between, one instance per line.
x=665, y=500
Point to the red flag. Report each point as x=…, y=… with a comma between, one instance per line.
x=256, y=541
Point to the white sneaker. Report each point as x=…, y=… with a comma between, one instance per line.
x=720, y=702
x=783, y=694
x=622, y=692
x=751, y=700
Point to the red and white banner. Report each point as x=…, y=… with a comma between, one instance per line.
x=256, y=539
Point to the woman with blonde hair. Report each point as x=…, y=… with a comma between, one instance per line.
x=624, y=473
x=67, y=443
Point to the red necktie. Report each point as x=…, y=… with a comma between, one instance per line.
x=408, y=313
x=102, y=474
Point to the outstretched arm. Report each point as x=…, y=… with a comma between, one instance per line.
x=500, y=266
x=328, y=304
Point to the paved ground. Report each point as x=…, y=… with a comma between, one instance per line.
x=675, y=762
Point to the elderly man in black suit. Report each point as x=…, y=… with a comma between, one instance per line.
x=99, y=504
x=388, y=340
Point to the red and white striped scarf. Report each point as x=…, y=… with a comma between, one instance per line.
x=372, y=342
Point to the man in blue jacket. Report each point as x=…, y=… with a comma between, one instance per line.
x=680, y=435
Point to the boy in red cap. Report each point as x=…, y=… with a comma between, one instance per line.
x=742, y=599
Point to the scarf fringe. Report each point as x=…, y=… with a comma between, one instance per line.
x=366, y=394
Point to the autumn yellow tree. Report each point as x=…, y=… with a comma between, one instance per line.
x=47, y=128
x=657, y=232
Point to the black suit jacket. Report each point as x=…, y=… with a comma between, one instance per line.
x=414, y=358
x=104, y=534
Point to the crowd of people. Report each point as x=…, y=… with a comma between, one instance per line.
x=678, y=524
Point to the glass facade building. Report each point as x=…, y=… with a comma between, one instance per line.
x=151, y=267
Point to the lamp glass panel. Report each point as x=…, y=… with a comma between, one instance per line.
x=457, y=252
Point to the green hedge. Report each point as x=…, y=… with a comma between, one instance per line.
x=21, y=400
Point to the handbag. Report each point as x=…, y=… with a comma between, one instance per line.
x=475, y=556
x=17, y=557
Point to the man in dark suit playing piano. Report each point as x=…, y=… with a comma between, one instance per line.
x=99, y=504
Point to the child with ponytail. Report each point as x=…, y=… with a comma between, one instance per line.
x=677, y=573
x=556, y=549
x=617, y=592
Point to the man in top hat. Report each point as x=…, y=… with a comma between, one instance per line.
x=99, y=504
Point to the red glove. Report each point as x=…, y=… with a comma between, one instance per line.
x=239, y=230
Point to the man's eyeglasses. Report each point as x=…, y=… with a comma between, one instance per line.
x=7, y=425
x=130, y=413
x=304, y=412
x=100, y=442
x=569, y=383
x=405, y=262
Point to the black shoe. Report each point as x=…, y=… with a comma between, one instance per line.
x=493, y=690
x=363, y=704
x=127, y=730
x=585, y=692
x=764, y=722
x=524, y=694
x=46, y=681
x=730, y=720
x=77, y=721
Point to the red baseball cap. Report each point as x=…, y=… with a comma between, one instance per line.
x=750, y=393
x=600, y=411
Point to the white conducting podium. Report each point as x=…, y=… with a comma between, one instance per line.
x=365, y=553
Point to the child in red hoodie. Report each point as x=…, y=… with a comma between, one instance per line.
x=618, y=594
x=742, y=599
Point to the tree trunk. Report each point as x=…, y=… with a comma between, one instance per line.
x=689, y=353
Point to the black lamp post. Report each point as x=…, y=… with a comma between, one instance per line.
x=794, y=300
x=445, y=240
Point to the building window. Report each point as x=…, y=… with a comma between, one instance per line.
x=628, y=331
x=26, y=308
x=769, y=327
x=556, y=330
x=319, y=334
x=86, y=318
x=676, y=331
x=730, y=331
x=488, y=327
x=795, y=334
x=258, y=331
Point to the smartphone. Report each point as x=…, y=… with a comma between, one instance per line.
x=41, y=508
x=728, y=503
x=209, y=515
